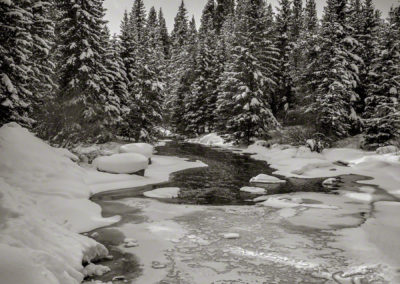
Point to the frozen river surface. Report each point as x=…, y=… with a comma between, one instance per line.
x=347, y=236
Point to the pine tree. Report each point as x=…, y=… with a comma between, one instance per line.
x=284, y=94
x=42, y=65
x=309, y=45
x=222, y=10
x=243, y=104
x=113, y=85
x=337, y=73
x=81, y=71
x=200, y=103
x=382, y=103
x=366, y=30
x=164, y=36
x=180, y=71
x=15, y=70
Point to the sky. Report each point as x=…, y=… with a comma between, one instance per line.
x=116, y=8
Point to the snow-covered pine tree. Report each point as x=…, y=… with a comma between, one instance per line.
x=80, y=71
x=283, y=97
x=151, y=78
x=382, y=103
x=113, y=86
x=15, y=69
x=243, y=103
x=180, y=72
x=309, y=45
x=222, y=10
x=42, y=65
x=366, y=29
x=147, y=85
x=296, y=52
x=337, y=73
x=200, y=102
x=164, y=36
x=128, y=51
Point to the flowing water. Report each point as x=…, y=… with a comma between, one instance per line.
x=220, y=182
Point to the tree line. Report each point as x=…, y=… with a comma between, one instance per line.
x=247, y=70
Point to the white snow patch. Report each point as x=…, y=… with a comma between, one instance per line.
x=138, y=148
x=127, y=163
x=165, y=192
x=293, y=161
x=253, y=190
x=231, y=236
x=212, y=139
x=95, y=270
x=262, y=178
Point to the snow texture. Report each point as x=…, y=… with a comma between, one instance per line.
x=43, y=205
x=138, y=148
x=127, y=163
x=212, y=139
x=253, y=190
x=300, y=162
x=165, y=192
x=263, y=178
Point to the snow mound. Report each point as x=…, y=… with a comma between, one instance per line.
x=262, y=178
x=253, y=190
x=212, y=139
x=166, y=192
x=127, y=163
x=387, y=150
x=43, y=205
x=287, y=201
x=138, y=148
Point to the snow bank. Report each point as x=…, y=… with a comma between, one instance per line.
x=138, y=148
x=212, y=139
x=300, y=162
x=166, y=192
x=262, y=178
x=127, y=163
x=43, y=205
x=253, y=190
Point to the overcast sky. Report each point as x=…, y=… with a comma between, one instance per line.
x=115, y=9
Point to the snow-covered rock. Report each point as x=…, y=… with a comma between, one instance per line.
x=330, y=182
x=261, y=198
x=253, y=190
x=263, y=178
x=212, y=139
x=95, y=270
x=165, y=192
x=231, y=236
x=387, y=150
x=138, y=148
x=130, y=243
x=127, y=163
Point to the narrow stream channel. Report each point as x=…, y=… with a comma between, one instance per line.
x=220, y=182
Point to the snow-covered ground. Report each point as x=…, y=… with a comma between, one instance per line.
x=44, y=205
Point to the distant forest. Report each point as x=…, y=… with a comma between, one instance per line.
x=246, y=71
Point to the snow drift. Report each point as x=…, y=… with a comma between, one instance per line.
x=43, y=206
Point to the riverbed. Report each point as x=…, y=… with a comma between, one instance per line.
x=330, y=237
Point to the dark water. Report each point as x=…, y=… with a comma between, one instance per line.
x=220, y=182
